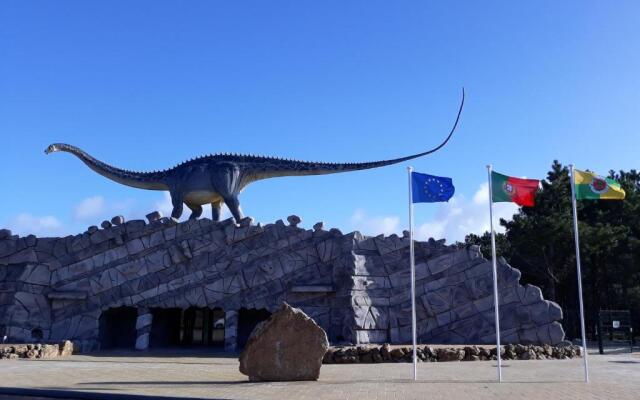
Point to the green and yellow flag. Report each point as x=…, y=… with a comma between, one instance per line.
x=590, y=186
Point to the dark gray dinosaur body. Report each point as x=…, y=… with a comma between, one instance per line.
x=218, y=179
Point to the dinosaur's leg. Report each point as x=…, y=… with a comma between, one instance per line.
x=176, y=201
x=196, y=211
x=234, y=206
x=215, y=210
x=227, y=184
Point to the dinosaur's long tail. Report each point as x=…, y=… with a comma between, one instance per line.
x=295, y=168
x=142, y=180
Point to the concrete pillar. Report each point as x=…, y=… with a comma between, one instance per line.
x=143, y=328
x=230, y=330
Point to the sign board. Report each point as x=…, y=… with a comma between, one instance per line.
x=616, y=324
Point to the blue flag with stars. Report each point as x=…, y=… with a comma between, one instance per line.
x=430, y=189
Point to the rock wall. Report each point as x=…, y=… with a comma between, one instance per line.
x=355, y=287
x=382, y=354
x=36, y=350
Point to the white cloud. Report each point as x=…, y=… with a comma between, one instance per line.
x=164, y=205
x=452, y=221
x=374, y=225
x=482, y=195
x=26, y=224
x=460, y=216
x=90, y=208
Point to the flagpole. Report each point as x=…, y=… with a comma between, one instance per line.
x=413, y=277
x=576, y=236
x=495, y=276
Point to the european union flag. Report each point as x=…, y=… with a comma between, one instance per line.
x=430, y=189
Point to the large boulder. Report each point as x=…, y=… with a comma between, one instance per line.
x=289, y=346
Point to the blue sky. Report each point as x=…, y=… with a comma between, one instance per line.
x=144, y=85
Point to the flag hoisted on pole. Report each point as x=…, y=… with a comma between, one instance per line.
x=495, y=274
x=589, y=187
x=503, y=188
x=423, y=188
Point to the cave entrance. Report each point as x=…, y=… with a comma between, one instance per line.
x=190, y=327
x=165, y=327
x=247, y=320
x=202, y=326
x=117, y=328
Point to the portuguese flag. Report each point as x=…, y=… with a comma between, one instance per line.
x=590, y=186
x=516, y=190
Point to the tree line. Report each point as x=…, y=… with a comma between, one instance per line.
x=539, y=241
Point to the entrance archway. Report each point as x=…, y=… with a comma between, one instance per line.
x=165, y=327
x=247, y=320
x=190, y=327
x=117, y=328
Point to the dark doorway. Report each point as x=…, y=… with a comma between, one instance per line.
x=202, y=326
x=165, y=327
x=247, y=320
x=117, y=328
x=190, y=327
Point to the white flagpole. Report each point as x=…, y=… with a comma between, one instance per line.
x=576, y=235
x=413, y=278
x=495, y=276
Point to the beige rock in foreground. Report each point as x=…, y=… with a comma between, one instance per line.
x=289, y=346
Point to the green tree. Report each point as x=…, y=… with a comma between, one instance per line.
x=503, y=247
x=540, y=237
x=539, y=241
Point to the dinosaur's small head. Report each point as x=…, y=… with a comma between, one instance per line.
x=52, y=148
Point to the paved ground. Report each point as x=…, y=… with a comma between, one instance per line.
x=216, y=376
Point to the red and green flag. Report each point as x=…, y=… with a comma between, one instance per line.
x=515, y=190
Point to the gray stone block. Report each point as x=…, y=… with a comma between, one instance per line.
x=37, y=275
x=154, y=216
x=143, y=321
x=135, y=246
x=134, y=226
x=371, y=336
x=246, y=222
x=25, y=256
x=142, y=342
x=31, y=240
x=294, y=220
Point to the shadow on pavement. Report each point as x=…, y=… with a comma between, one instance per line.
x=7, y=393
x=168, y=352
x=171, y=383
x=625, y=362
x=59, y=360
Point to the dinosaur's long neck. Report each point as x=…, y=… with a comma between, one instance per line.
x=141, y=180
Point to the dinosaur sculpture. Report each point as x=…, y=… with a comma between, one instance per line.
x=219, y=178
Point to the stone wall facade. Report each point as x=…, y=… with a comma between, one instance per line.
x=355, y=287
